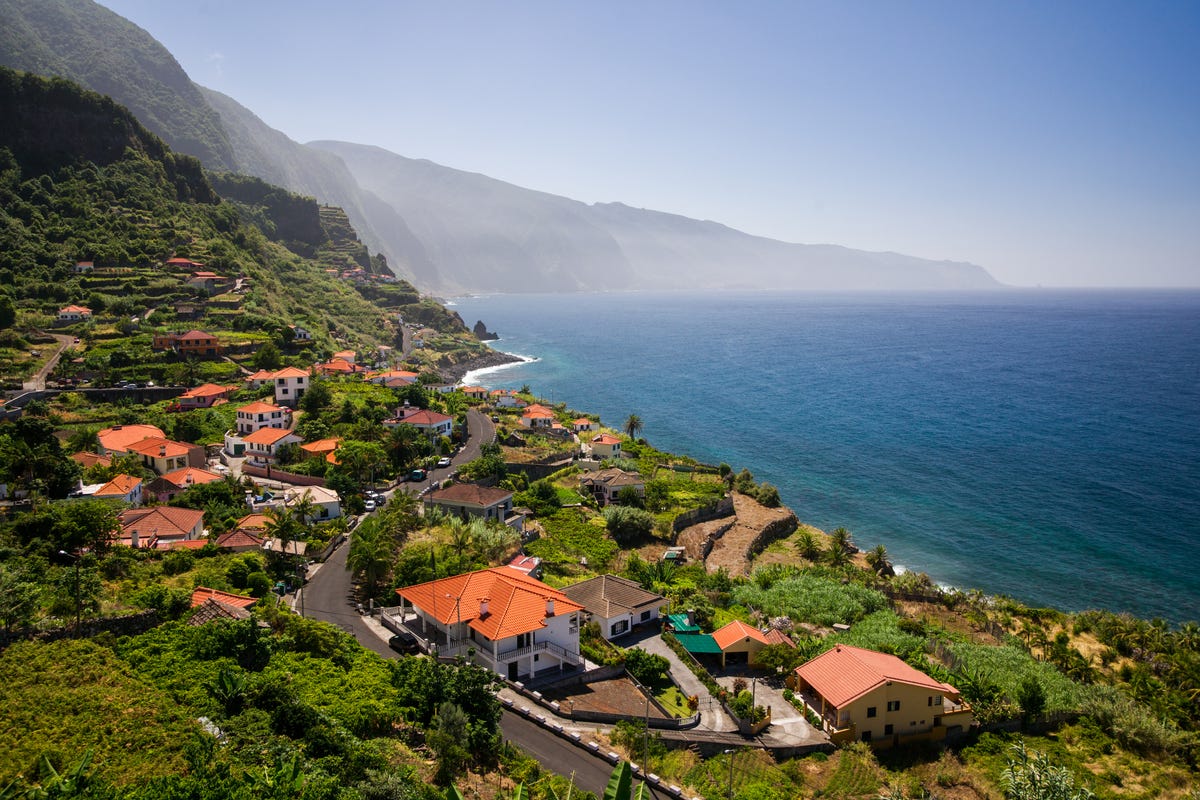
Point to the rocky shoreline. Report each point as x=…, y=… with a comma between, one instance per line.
x=453, y=373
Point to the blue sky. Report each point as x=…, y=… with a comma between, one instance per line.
x=1052, y=143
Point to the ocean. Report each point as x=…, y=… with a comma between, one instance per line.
x=1039, y=444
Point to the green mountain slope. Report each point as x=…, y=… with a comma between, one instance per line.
x=81, y=179
x=92, y=46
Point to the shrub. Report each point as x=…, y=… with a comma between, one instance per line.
x=628, y=525
x=646, y=667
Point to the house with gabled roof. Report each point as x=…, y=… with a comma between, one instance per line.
x=213, y=604
x=739, y=642
x=512, y=624
x=606, y=484
x=261, y=414
x=123, y=489
x=474, y=392
x=878, y=698
x=537, y=416
x=148, y=527
x=116, y=440
x=163, y=455
x=204, y=396
x=336, y=366
x=467, y=500
x=323, y=448
x=431, y=423
x=74, y=313
x=617, y=604
x=191, y=343
x=290, y=385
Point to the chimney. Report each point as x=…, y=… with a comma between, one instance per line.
x=162, y=451
x=483, y=606
x=691, y=616
x=134, y=539
x=549, y=606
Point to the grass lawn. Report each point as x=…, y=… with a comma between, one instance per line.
x=673, y=700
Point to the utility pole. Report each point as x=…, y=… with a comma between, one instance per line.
x=730, y=754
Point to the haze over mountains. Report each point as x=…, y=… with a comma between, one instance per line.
x=444, y=229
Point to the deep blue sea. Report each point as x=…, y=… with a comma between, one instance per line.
x=1040, y=444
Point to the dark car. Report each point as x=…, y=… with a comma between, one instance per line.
x=417, y=475
x=404, y=643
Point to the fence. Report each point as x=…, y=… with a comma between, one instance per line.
x=280, y=475
x=128, y=625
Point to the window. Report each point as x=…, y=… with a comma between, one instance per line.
x=931, y=700
x=893, y=705
x=870, y=711
x=887, y=730
x=645, y=616
x=619, y=627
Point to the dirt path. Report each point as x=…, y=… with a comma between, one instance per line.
x=38, y=381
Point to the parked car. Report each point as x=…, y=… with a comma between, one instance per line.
x=369, y=505
x=417, y=475
x=444, y=461
x=495, y=418
x=404, y=643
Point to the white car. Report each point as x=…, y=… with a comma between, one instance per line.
x=444, y=461
x=369, y=505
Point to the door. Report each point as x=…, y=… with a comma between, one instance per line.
x=512, y=671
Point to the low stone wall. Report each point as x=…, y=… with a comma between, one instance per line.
x=721, y=508
x=129, y=625
x=667, y=722
x=778, y=529
x=274, y=474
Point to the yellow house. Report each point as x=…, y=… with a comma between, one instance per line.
x=876, y=697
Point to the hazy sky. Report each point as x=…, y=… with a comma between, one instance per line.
x=1052, y=143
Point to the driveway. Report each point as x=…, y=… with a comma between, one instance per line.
x=38, y=381
x=712, y=715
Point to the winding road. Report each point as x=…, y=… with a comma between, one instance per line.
x=329, y=596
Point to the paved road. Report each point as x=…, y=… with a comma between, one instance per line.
x=480, y=430
x=38, y=381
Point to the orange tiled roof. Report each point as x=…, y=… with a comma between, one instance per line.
x=539, y=408
x=426, y=418
x=605, y=438
x=266, y=436
x=119, y=486
x=259, y=407
x=196, y=334
x=261, y=375
x=472, y=389
x=779, y=637
x=119, y=438
x=471, y=494
x=845, y=673
x=516, y=602
x=208, y=390
x=336, y=365
x=91, y=459
x=158, y=447
x=736, y=631
x=252, y=522
x=321, y=446
x=202, y=593
x=537, y=412
x=290, y=372
x=191, y=476
x=74, y=310
x=161, y=521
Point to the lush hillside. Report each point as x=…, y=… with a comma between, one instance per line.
x=81, y=179
x=92, y=46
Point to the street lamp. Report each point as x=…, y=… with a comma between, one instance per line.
x=77, y=602
x=730, y=754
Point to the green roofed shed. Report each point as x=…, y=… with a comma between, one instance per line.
x=699, y=643
x=681, y=625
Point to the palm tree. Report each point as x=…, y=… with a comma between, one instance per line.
x=282, y=525
x=840, y=547
x=877, y=559
x=305, y=508
x=371, y=553
x=633, y=426
x=808, y=545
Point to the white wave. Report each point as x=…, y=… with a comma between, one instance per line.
x=478, y=377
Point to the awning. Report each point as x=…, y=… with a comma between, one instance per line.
x=699, y=643
x=680, y=623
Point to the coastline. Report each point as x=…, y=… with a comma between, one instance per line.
x=468, y=371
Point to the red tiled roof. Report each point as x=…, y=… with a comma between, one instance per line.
x=516, y=602
x=191, y=476
x=120, y=437
x=291, y=372
x=239, y=539
x=74, y=310
x=321, y=446
x=336, y=365
x=202, y=593
x=779, y=637
x=534, y=412
x=182, y=544
x=735, y=632
x=261, y=375
x=845, y=673
x=195, y=334
x=538, y=407
x=161, y=521
x=177, y=260
x=253, y=522
x=605, y=438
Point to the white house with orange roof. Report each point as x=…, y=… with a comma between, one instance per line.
x=123, y=489
x=605, y=445
x=322, y=448
x=395, y=378
x=263, y=445
x=431, y=423
x=474, y=392
x=507, y=622
x=739, y=642
x=163, y=455
x=345, y=355
x=74, y=313
x=290, y=385
x=538, y=416
x=204, y=396
x=583, y=424
x=261, y=414
x=258, y=379
x=878, y=698
x=336, y=366
x=164, y=488
x=504, y=398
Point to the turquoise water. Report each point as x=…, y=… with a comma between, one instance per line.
x=1044, y=445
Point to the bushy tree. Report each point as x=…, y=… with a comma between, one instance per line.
x=646, y=667
x=627, y=525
